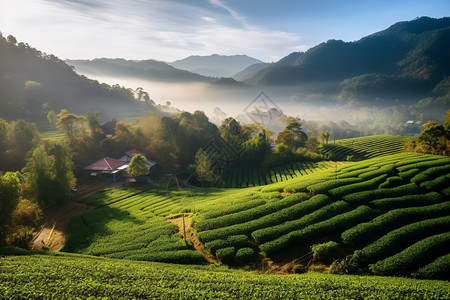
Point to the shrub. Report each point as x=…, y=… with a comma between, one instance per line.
x=329, y=227
x=357, y=187
x=299, y=269
x=366, y=196
x=237, y=241
x=396, y=240
x=407, y=201
x=363, y=233
x=250, y=214
x=326, y=250
x=323, y=187
x=391, y=182
x=414, y=255
x=244, y=255
x=317, y=210
x=226, y=255
x=407, y=175
x=438, y=269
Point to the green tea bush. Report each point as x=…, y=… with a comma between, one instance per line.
x=437, y=183
x=226, y=255
x=366, y=196
x=325, y=251
x=358, y=187
x=237, y=241
x=299, y=269
x=391, y=182
x=396, y=240
x=320, y=213
x=323, y=187
x=244, y=255
x=407, y=201
x=438, y=269
x=413, y=256
x=407, y=175
x=385, y=170
x=329, y=227
x=363, y=233
x=249, y=214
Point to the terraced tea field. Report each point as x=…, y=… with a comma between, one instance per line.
x=246, y=175
x=399, y=204
x=54, y=276
x=365, y=147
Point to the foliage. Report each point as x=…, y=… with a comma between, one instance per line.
x=203, y=167
x=137, y=166
x=26, y=275
x=325, y=250
x=49, y=173
x=9, y=198
x=292, y=136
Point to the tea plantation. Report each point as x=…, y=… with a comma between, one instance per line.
x=391, y=214
x=364, y=147
x=40, y=275
x=388, y=215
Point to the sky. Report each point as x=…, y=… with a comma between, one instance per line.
x=174, y=29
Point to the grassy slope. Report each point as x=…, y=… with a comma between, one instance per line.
x=50, y=276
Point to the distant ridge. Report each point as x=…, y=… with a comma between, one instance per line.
x=215, y=65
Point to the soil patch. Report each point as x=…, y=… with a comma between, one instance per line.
x=187, y=231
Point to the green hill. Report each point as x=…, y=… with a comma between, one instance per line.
x=364, y=147
x=33, y=83
x=48, y=276
x=400, y=202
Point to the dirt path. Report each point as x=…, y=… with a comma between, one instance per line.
x=51, y=235
x=198, y=246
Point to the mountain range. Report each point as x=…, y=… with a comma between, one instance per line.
x=215, y=65
x=407, y=63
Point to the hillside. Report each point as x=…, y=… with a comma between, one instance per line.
x=391, y=214
x=406, y=61
x=32, y=83
x=145, y=69
x=215, y=65
x=27, y=275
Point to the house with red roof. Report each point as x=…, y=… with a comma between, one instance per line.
x=113, y=169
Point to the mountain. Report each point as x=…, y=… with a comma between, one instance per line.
x=407, y=59
x=215, y=65
x=33, y=83
x=145, y=69
x=250, y=71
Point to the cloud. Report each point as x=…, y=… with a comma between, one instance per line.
x=139, y=29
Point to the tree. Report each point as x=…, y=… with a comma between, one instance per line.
x=9, y=198
x=325, y=136
x=137, y=166
x=203, y=167
x=67, y=122
x=11, y=39
x=49, y=173
x=93, y=120
x=52, y=117
x=292, y=135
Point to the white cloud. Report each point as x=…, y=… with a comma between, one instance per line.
x=138, y=29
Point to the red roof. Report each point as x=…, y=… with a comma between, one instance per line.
x=134, y=152
x=105, y=164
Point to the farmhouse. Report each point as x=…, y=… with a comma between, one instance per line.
x=113, y=169
x=108, y=168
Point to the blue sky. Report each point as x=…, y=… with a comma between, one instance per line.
x=174, y=29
